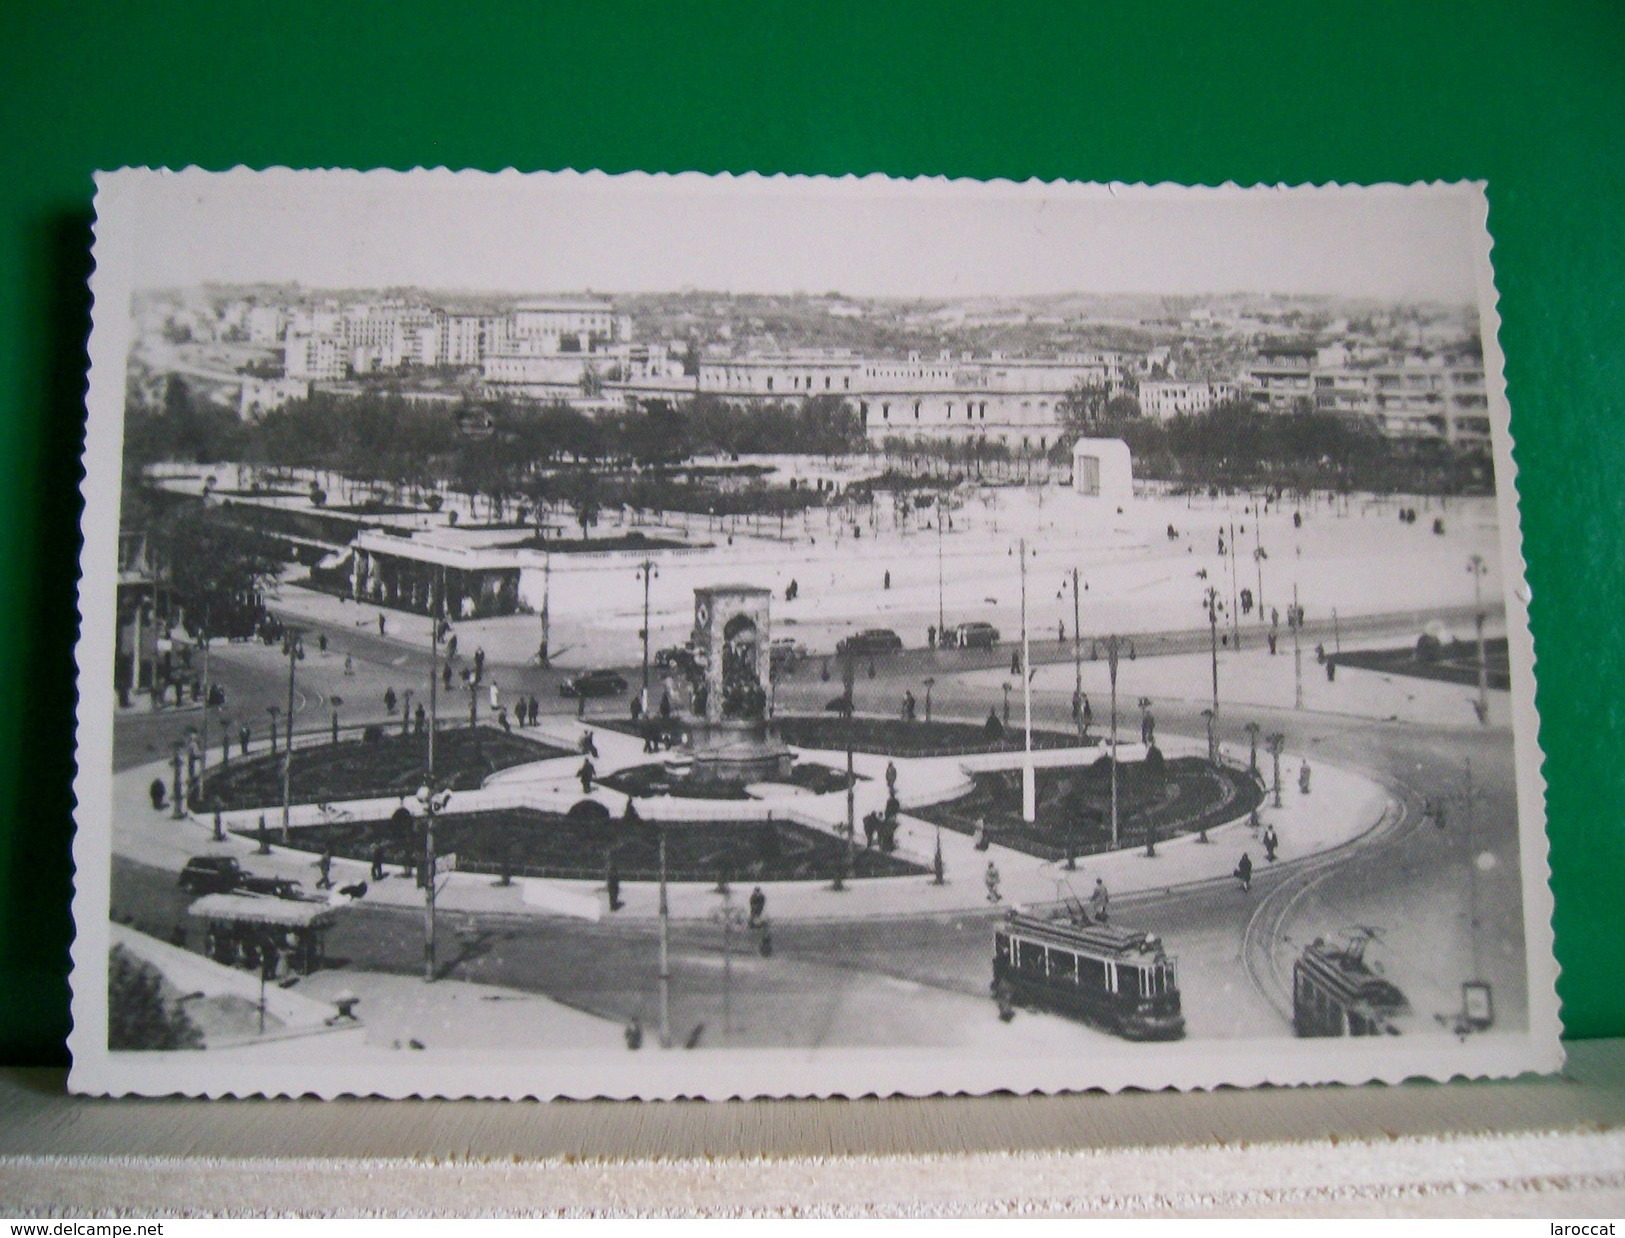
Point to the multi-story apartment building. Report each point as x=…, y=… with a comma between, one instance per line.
x=1164, y=399
x=464, y=339
x=566, y=325
x=265, y=324
x=319, y=357
x=1282, y=376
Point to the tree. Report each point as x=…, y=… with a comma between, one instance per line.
x=216, y=566
x=137, y=1017
x=584, y=493
x=1084, y=405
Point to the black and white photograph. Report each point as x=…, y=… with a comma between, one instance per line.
x=571, y=635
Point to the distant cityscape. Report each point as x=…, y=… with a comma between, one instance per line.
x=995, y=370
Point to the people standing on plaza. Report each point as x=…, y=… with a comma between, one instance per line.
x=1148, y=729
x=991, y=880
x=389, y=701
x=324, y=866
x=612, y=883
x=1244, y=872
x=1271, y=843
x=888, y=578
x=243, y=737
x=757, y=905
x=420, y=723
x=349, y=664
x=586, y=775
x=931, y=637
x=381, y=625
x=157, y=793
x=451, y=645
x=502, y=718
x=1303, y=778
x=378, y=861
x=1015, y=661
x=891, y=778
x=479, y=662
x=1099, y=901
x=445, y=676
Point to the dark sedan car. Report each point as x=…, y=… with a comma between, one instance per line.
x=594, y=683
x=221, y=874
x=870, y=640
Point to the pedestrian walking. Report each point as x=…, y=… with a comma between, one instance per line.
x=479, y=662
x=757, y=905
x=1244, y=872
x=1271, y=843
x=1148, y=729
x=389, y=701
x=1060, y=632
x=349, y=664
x=382, y=627
x=502, y=718
x=888, y=578
x=1015, y=661
x=420, y=720
x=378, y=861
x=1099, y=901
x=589, y=746
x=451, y=645
x=445, y=676
x=1303, y=778
x=891, y=777
x=157, y=793
x=586, y=775
x=242, y=737
x=991, y=880
x=324, y=866
x=321, y=641
x=979, y=836
x=612, y=884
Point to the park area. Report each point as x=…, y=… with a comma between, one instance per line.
x=369, y=768
x=1155, y=797
x=524, y=842
x=1453, y=662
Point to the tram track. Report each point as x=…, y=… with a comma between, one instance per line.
x=1267, y=971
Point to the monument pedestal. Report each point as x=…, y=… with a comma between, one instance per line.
x=736, y=751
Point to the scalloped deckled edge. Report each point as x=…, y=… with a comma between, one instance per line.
x=745, y=1074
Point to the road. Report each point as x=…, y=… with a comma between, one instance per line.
x=894, y=981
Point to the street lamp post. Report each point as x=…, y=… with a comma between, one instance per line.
x=1235, y=601
x=1252, y=751
x=1114, y=646
x=942, y=621
x=646, y=569
x=1277, y=742
x=1007, y=685
x=274, y=711
x=847, y=683
x=543, y=655
x=333, y=703
x=929, y=681
x=406, y=714
x=1478, y=568
x=1029, y=776
x=434, y=801
x=665, y=946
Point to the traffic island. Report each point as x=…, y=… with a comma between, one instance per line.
x=592, y=845
x=1157, y=799
x=373, y=766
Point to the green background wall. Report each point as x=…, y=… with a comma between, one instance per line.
x=1530, y=97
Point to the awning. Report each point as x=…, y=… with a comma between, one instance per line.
x=278, y=912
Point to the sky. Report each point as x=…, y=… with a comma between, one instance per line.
x=866, y=237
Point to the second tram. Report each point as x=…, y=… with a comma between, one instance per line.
x=1335, y=992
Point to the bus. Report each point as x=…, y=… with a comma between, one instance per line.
x=1115, y=978
x=1336, y=992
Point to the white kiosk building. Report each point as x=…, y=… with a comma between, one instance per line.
x=1103, y=469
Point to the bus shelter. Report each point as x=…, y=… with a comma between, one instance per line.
x=263, y=934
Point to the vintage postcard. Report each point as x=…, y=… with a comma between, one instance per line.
x=574, y=635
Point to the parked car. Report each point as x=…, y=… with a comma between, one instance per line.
x=974, y=635
x=787, y=654
x=594, y=683
x=870, y=640
x=222, y=874
x=675, y=658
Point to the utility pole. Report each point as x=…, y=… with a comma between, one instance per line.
x=1477, y=567
x=295, y=649
x=665, y=946
x=544, y=655
x=1077, y=656
x=1212, y=598
x=847, y=681
x=1235, y=597
x=1029, y=777
x=1252, y=752
x=942, y=621
x=1258, y=559
x=1295, y=622
x=428, y=786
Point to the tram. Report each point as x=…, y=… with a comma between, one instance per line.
x=1115, y=978
x=1335, y=992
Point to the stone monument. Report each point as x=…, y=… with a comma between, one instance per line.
x=731, y=739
